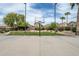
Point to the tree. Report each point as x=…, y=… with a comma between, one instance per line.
x=62, y=18
x=21, y=21
x=10, y=18
x=67, y=14
x=22, y=24
x=53, y=26
x=20, y=17
x=77, y=27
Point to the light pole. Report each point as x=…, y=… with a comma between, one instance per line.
x=55, y=15
x=25, y=15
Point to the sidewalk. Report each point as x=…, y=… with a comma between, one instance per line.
x=67, y=33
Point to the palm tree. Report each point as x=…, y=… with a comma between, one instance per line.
x=62, y=18
x=77, y=25
x=67, y=14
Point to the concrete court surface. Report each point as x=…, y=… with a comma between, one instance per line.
x=39, y=46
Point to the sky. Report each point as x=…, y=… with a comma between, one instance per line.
x=38, y=11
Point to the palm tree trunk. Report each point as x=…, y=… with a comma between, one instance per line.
x=62, y=24
x=77, y=27
x=67, y=20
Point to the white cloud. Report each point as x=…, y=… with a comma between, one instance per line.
x=63, y=8
x=32, y=13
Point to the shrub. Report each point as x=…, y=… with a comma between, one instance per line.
x=1, y=31
x=74, y=29
x=67, y=28
x=60, y=29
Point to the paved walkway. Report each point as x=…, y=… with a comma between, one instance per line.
x=39, y=46
x=4, y=34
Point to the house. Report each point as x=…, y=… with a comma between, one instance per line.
x=72, y=24
x=4, y=28
x=64, y=24
x=31, y=27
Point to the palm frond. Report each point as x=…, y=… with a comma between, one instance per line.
x=72, y=5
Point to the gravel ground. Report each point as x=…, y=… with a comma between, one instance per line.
x=39, y=46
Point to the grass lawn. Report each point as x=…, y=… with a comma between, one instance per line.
x=33, y=33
